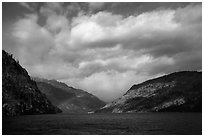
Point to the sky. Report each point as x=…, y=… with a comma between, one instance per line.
x=103, y=48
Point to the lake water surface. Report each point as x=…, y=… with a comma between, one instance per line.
x=98, y=124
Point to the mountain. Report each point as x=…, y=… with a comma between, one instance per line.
x=68, y=99
x=176, y=92
x=20, y=94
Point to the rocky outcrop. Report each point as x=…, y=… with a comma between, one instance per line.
x=180, y=92
x=68, y=99
x=20, y=94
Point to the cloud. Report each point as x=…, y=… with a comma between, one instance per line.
x=26, y=5
x=96, y=5
x=189, y=15
x=127, y=31
x=73, y=9
x=31, y=6
x=57, y=23
x=105, y=53
x=34, y=42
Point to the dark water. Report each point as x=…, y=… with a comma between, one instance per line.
x=97, y=124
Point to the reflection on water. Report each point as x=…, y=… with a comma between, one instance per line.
x=140, y=123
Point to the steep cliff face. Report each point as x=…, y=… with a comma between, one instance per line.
x=68, y=99
x=180, y=92
x=20, y=94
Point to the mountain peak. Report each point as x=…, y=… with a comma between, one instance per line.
x=67, y=98
x=20, y=93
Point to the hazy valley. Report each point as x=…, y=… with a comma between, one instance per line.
x=68, y=99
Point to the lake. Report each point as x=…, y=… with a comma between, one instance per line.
x=99, y=124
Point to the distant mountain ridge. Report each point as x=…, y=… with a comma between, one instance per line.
x=20, y=94
x=68, y=99
x=176, y=92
